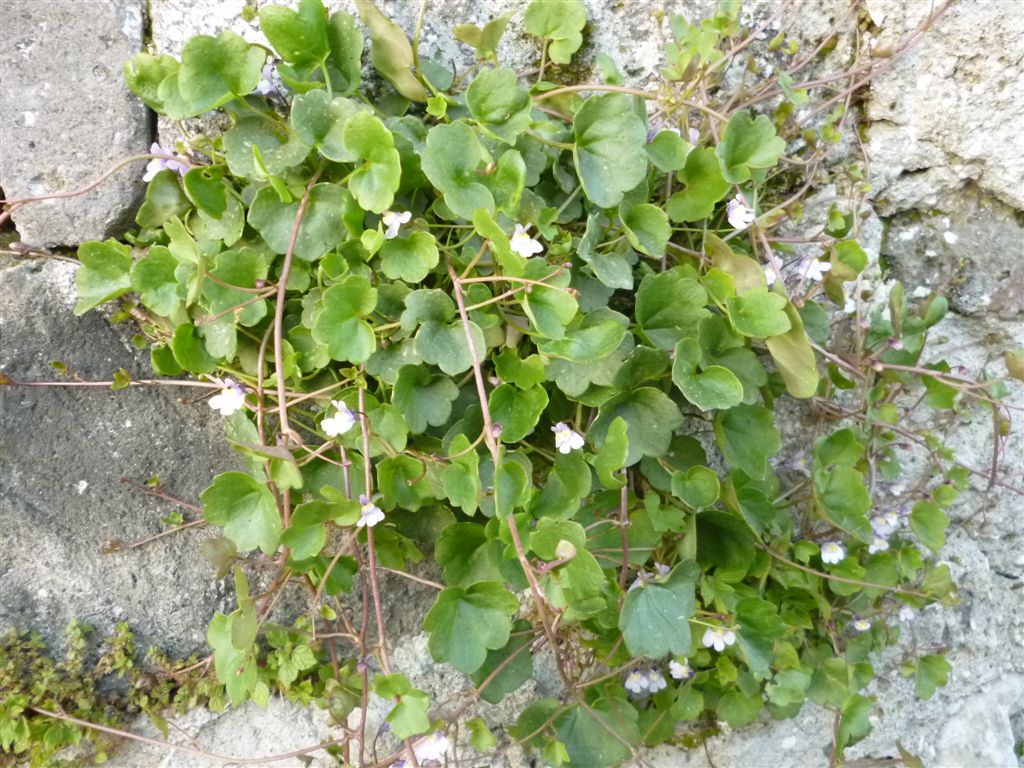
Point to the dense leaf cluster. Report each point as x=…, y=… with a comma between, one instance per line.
x=645, y=325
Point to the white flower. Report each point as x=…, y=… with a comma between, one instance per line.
x=693, y=135
x=636, y=682
x=230, y=399
x=432, y=748
x=371, y=513
x=921, y=292
x=266, y=84
x=861, y=625
x=566, y=440
x=905, y=613
x=660, y=571
x=655, y=680
x=885, y=523
x=878, y=544
x=770, y=275
x=718, y=638
x=850, y=307
x=341, y=422
x=679, y=671
x=740, y=214
x=832, y=552
x=157, y=164
x=523, y=244
x=815, y=269
x=393, y=220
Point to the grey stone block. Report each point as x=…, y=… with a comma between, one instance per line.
x=63, y=453
x=66, y=115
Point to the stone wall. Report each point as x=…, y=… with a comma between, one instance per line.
x=943, y=129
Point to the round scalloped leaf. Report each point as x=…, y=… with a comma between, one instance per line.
x=655, y=618
x=647, y=228
x=704, y=187
x=339, y=322
x=322, y=227
x=245, y=508
x=651, y=416
x=499, y=104
x=103, y=274
x=748, y=144
x=216, y=69
x=164, y=200
x=319, y=121
x=759, y=313
x=299, y=37
x=562, y=23
x=153, y=278
x=708, y=389
x=609, y=151
x=378, y=171
x=465, y=623
x=409, y=258
x=517, y=411
x=450, y=159
x=279, y=149
x=423, y=398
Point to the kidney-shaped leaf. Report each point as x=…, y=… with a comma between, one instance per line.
x=465, y=623
x=245, y=509
x=655, y=618
x=609, y=152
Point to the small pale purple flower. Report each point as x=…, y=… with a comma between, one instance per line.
x=832, y=552
x=878, y=544
x=266, y=85
x=341, y=422
x=637, y=683
x=655, y=680
x=393, y=220
x=566, y=440
x=770, y=275
x=230, y=399
x=861, y=625
x=739, y=213
x=157, y=164
x=885, y=523
x=718, y=638
x=815, y=269
x=523, y=244
x=680, y=670
x=370, y=513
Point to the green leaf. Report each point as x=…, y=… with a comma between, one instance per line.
x=655, y=616
x=612, y=455
x=153, y=278
x=524, y=373
x=749, y=144
x=409, y=716
x=205, y=187
x=669, y=307
x=499, y=104
x=932, y=673
x=278, y=147
x=143, y=74
x=747, y=437
x=724, y=542
x=299, y=37
x=319, y=121
x=339, y=323
x=423, y=398
x=794, y=357
x=737, y=709
x=713, y=387
x=704, y=187
x=103, y=274
x=484, y=40
x=855, y=723
x=516, y=411
x=245, y=509
x=461, y=478
x=450, y=159
x=245, y=268
x=610, y=267
x=595, y=339
x=321, y=228
x=345, y=63
x=697, y=486
x=400, y=479
x=647, y=228
x=759, y=313
x=235, y=668
x=609, y=151
x=465, y=623
x=560, y=22
x=929, y=522
x=651, y=417
x=390, y=51
x=378, y=167
x=844, y=499
x=515, y=662
x=409, y=258
x=511, y=487
x=668, y=151
x=164, y=199
x=190, y=351
x=480, y=736
x=550, y=309
x=445, y=345
x=216, y=69
x=746, y=273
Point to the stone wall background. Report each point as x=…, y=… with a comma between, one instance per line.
x=943, y=133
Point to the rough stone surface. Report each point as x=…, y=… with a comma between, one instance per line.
x=62, y=456
x=66, y=116
x=950, y=111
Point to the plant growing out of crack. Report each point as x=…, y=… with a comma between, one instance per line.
x=535, y=334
